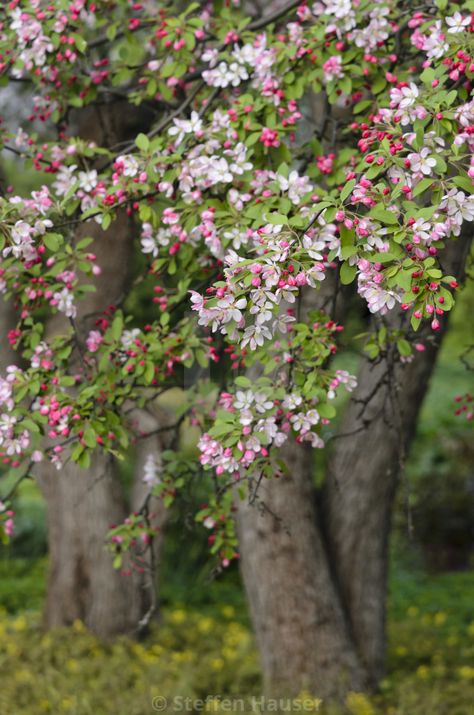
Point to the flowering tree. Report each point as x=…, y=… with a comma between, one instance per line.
x=243, y=168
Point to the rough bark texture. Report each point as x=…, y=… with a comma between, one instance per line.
x=302, y=631
x=299, y=624
x=82, y=584
x=81, y=504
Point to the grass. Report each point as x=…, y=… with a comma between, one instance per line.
x=194, y=654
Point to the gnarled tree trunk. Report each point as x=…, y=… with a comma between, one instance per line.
x=302, y=631
x=82, y=504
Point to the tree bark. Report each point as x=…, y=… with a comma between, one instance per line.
x=82, y=504
x=82, y=584
x=301, y=630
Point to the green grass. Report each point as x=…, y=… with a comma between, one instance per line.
x=22, y=584
x=195, y=654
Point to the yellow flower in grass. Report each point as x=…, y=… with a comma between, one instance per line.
x=229, y=653
x=217, y=663
x=72, y=665
x=19, y=624
x=185, y=656
x=23, y=676
x=412, y=611
x=138, y=650
x=359, y=704
x=178, y=616
x=440, y=618
x=212, y=705
x=422, y=672
x=466, y=672
x=205, y=625
x=12, y=649
x=308, y=702
x=67, y=705
x=235, y=634
x=228, y=611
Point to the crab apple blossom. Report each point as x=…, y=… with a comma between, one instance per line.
x=235, y=212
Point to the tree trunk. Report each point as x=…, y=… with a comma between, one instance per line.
x=82, y=504
x=302, y=630
x=315, y=565
x=380, y=423
x=300, y=626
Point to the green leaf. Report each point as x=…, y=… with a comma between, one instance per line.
x=326, y=410
x=465, y=183
x=347, y=189
x=84, y=243
x=383, y=215
x=149, y=373
x=347, y=273
x=347, y=236
x=275, y=218
x=422, y=186
x=111, y=32
x=441, y=165
x=415, y=322
x=80, y=42
x=117, y=327
x=90, y=437
x=361, y=106
x=84, y=460
x=378, y=85
x=142, y=142
x=404, y=347
x=52, y=241
x=117, y=562
x=242, y=381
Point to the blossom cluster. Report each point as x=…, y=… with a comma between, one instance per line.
x=238, y=204
x=253, y=420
